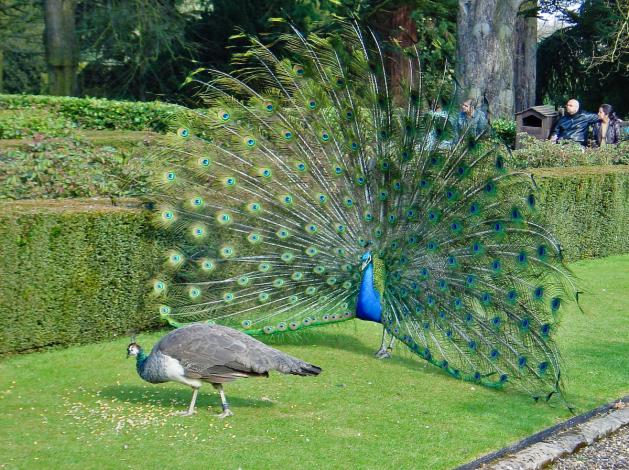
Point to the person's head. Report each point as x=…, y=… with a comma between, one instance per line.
x=572, y=106
x=467, y=107
x=606, y=113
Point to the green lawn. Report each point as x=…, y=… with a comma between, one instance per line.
x=85, y=407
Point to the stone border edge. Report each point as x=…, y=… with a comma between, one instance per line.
x=548, y=445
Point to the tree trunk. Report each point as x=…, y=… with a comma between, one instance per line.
x=397, y=26
x=525, y=53
x=484, y=67
x=61, y=50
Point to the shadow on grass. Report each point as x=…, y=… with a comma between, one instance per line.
x=401, y=355
x=351, y=343
x=170, y=396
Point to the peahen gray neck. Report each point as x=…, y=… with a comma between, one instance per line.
x=140, y=363
x=152, y=368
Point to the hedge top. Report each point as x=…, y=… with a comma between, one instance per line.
x=562, y=172
x=98, y=113
x=36, y=206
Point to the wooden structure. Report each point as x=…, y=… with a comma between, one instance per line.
x=537, y=121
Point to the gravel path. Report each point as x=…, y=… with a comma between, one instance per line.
x=611, y=452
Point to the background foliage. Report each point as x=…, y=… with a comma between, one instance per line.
x=22, y=66
x=144, y=49
x=571, y=62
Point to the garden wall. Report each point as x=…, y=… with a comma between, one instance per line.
x=76, y=271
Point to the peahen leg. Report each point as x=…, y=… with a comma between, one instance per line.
x=190, y=411
x=385, y=352
x=226, y=411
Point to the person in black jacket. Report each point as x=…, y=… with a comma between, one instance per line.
x=607, y=129
x=573, y=126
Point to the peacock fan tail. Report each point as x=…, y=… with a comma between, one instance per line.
x=310, y=193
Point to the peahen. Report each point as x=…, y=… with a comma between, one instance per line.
x=311, y=193
x=212, y=353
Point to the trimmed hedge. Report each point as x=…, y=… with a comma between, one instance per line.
x=73, y=271
x=92, y=113
x=76, y=167
x=77, y=271
x=587, y=208
x=546, y=154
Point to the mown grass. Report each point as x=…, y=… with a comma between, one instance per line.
x=85, y=407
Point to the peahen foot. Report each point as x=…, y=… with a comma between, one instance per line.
x=186, y=413
x=383, y=353
x=225, y=414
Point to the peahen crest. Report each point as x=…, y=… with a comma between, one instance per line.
x=310, y=192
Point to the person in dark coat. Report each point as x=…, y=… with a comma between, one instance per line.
x=607, y=129
x=574, y=125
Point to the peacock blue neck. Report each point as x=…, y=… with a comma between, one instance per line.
x=368, y=305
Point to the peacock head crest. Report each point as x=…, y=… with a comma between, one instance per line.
x=133, y=349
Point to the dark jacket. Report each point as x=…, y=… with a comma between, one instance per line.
x=613, y=135
x=574, y=127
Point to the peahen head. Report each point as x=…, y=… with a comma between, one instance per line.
x=134, y=350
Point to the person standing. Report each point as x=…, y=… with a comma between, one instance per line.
x=470, y=119
x=607, y=129
x=573, y=125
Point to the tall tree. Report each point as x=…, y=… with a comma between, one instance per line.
x=485, y=50
x=525, y=56
x=428, y=26
x=61, y=46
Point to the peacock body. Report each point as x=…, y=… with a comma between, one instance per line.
x=312, y=193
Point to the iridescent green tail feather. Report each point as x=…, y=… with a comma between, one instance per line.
x=299, y=166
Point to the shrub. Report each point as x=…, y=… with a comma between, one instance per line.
x=586, y=208
x=504, y=129
x=18, y=124
x=73, y=272
x=543, y=153
x=93, y=113
x=49, y=168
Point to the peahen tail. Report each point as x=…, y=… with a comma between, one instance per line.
x=300, y=166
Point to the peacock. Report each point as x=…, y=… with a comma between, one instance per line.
x=216, y=354
x=310, y=191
